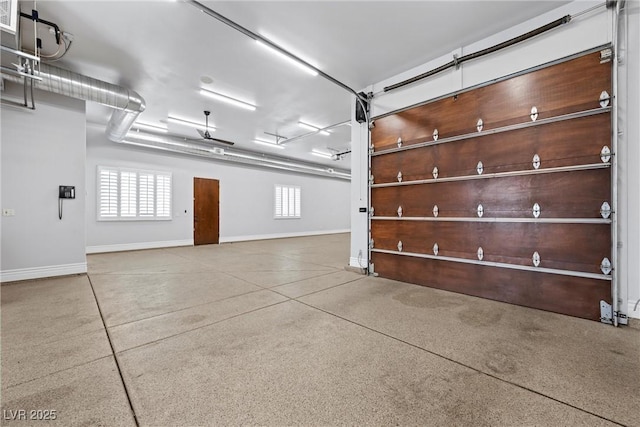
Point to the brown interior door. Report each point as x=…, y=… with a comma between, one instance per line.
x=206, y=207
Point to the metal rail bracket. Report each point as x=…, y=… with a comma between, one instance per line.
x=607, y=314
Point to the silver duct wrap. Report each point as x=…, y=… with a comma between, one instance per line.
x=127, y=104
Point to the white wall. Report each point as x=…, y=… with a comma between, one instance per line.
x=359, y=191
x=42, y=149
x=584, y=32
x=246, y=200
x=629, y=150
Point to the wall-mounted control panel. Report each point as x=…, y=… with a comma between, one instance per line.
x=67, y=192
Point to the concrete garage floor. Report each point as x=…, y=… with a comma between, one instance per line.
x=277, y=333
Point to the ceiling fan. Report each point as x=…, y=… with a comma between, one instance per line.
x=206, y=136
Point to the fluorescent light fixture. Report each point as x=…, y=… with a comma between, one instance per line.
x=227, y=99
x=150, y=127
x=189, y=123
x=287, y=58
x=313, y=128
x=268, y=144
x=321, y=154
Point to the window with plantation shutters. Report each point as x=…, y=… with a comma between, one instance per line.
x=126, y=194
x=163, y=198
x=108, y=193
x=146, y=187
x=287, y=201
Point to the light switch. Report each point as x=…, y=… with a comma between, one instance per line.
x=8, y=212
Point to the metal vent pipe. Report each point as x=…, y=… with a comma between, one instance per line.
x=127, y=103
x=202, y=149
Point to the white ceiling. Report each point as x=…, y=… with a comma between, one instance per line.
x=162, y=49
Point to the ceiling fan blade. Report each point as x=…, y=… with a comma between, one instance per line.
x=210, y=141
x=221, y=141
x=201, y=133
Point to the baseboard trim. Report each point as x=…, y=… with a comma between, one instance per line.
x=189, y=242
x=42, y=272
x=137, y=246
x=280, y=235
x=630, y=310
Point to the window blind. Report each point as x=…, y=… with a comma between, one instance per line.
x=287, y=201
x=126, y=194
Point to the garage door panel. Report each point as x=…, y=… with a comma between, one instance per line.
x=560, y=89
x=575, y=296
x=512, y=243
x=575, y=142
x=577, y=194
x=415, y=165
x=516, y=208
x=451, y=116
x=546, y=89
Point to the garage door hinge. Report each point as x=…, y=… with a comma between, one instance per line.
x=605, y=55
x=604, y=99
x=606, y=314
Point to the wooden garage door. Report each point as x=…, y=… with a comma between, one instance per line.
x=501, y=192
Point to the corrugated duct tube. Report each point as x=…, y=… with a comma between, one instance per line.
x=127, y=104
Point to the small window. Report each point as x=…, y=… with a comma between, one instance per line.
x=287, y=201
x=126, y=194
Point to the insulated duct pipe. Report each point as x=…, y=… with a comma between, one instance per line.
x=190, y=147
x=127, y=104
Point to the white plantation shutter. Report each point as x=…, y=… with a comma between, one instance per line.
x=287, y=201
x=128, y=194
x=292, y=201
x=278, y=202
x=296, y=212
x=125, y=194
x=163, y=201
x=146, y=195
x=107, y=193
